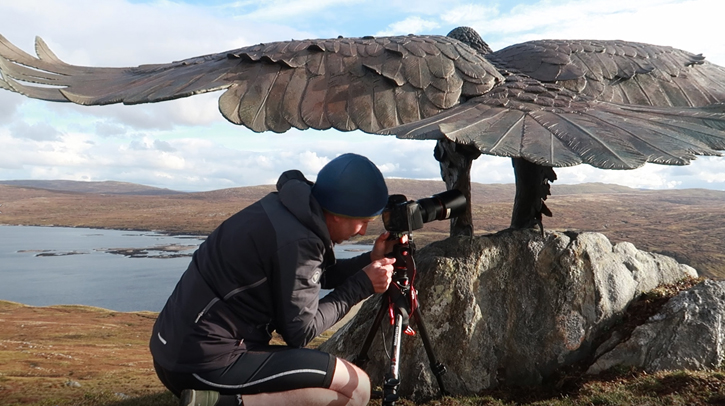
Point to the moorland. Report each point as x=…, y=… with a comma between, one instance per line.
x=686, y=224
x=77, y=355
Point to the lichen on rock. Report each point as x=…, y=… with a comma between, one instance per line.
x=512, y=307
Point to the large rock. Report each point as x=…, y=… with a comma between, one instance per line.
x=511, y=307
x=687, y=333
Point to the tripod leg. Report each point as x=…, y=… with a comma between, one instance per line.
x=438, y=368
x=392, y=378
x=363, y=357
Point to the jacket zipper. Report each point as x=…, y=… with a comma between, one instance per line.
x=206, y=309
x=243, y=288
x=230, y=294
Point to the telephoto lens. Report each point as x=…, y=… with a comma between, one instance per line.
x=401, y=215
x=441, y=206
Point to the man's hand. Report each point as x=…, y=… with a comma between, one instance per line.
x=380, y=273
x=384, y=246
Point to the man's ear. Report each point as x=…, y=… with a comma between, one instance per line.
x=329, y=217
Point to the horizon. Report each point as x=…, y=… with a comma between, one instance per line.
x=186, y=144
x=554, y=186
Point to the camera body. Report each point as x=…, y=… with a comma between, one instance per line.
x=402, y=215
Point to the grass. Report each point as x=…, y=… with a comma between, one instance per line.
x=81, y=356
x=629, y=387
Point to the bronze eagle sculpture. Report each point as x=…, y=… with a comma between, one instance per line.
x=545, y=104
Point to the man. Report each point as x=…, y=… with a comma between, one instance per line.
x=261, y=271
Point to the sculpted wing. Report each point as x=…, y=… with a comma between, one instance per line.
x=611, y=104
x=344, y=83
x=619, y=71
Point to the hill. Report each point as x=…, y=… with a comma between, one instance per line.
x=683, y=223
x=107, y=187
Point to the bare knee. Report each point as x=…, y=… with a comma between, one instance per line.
x=363, y=390
x=351, y=382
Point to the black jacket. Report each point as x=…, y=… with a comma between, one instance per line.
x=261, y=270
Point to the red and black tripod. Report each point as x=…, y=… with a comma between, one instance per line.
x=400, y=302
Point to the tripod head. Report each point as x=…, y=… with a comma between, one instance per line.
x=401, y=294
x=403, y=249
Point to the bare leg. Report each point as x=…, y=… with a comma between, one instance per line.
x=350, y=387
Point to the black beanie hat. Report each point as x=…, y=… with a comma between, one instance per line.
x=352, y=186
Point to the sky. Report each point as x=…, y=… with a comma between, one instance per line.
x=187, y=145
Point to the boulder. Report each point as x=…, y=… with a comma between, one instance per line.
x=687, y=333
x=512, y=307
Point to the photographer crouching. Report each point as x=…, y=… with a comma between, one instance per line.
x=261, y=271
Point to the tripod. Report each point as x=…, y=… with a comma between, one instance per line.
x=401, y=303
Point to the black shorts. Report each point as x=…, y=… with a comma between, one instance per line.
x=267, y=369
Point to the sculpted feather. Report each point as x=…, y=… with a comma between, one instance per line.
x=545, y=104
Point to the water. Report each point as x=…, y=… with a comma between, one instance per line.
x=113, y=269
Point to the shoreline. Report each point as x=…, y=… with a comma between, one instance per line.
x=159, y=231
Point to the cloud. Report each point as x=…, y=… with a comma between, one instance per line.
x=282, y=11
x=187, y=145
x=109, y=129
x=147, y=144
x=121, y=33
x=682, y=24
x=492, y=169
x=468, y=14
x=8, y=105
x=410, y=25
x=37, y=132
x=704, y=172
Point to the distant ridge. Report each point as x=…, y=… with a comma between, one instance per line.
x=413, y=189
x=497, y=192
x=106, y=187
x=683, y=223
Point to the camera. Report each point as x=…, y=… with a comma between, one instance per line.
x=401, y=215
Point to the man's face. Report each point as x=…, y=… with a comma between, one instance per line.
x=343, y=228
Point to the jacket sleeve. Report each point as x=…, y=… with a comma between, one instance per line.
x=300, y=315
x=335, y=275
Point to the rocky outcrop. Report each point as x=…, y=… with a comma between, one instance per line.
x=513, y=307
x=687, y=333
